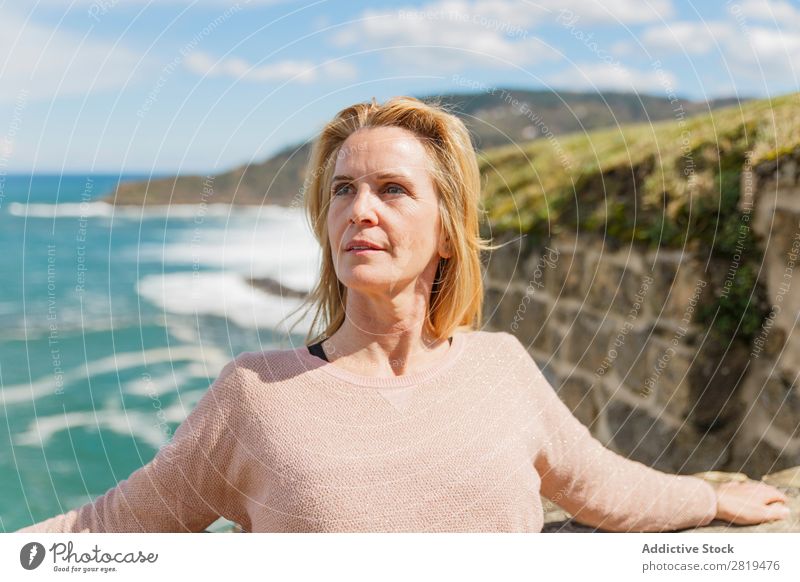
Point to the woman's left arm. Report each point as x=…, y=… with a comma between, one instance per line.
x=603, y=489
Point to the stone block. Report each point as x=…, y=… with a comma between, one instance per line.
x=780, y=398
x=535, y=268
x=678, y=288
x=615, y=288
x=760, y=457
x=587, y=341
x=649, y=440
x=629, y=354
x=529, y=319
x=578, y=395
x=492, y=299
x=715, y=379
x=669, y=378
x=504, y=264
x=566, y=278
x=787, y=171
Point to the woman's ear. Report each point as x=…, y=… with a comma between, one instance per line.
x=445, y=249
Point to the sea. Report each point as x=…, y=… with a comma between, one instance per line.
x=115, y=320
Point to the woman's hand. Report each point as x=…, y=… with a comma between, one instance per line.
x=750, y=503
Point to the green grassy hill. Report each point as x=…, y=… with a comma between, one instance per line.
x=657, y=183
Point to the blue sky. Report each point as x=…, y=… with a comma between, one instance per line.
x=179, y=86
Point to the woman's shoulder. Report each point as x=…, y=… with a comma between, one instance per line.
x=505, y=348
x=264, y=366
x=486, y=338
x=252, y=379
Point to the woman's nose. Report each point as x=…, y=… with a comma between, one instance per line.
x=363, y=207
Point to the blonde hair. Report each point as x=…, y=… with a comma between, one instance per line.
x=457, y=294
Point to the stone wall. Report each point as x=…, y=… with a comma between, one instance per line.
x=615, y=330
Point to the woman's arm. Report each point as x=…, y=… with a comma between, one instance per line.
x=603, y=489
x=186, y=487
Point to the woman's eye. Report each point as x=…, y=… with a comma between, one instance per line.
x=391, y=189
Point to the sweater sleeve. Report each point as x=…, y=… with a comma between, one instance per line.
x=186, y=487
x=601, y=488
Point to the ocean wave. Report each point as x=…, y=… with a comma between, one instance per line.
x=145, y=426
x=8, y=307
x=70, y=323
x=284, y=250
x=100, y=209
x=221, y=294
x=212, y=358
x=169, y=382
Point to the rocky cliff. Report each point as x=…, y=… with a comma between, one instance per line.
x=650, y=271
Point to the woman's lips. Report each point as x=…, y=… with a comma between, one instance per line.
x=364, y=251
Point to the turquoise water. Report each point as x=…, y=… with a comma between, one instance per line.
x=113, y=322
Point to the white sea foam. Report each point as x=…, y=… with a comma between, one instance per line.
x=62, y=210
x=144, y=425
x=276, y=245
x=7, y=307
x=71, y=323
x=169, y=382
x=213, y=358
x=221, y=294
x=102, y=209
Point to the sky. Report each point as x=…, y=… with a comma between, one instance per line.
x=170, y=86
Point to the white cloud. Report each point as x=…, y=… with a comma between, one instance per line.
x=48, y=63
x=302, y=71
x=613, y=11
x=767, y=44
x=764, y=53
x=593, y=76
x=782, y=14
x=446, y=36
x=773, y=45
x=623, y=48
x=692, y=37
x=449, y=35
x=746, y=47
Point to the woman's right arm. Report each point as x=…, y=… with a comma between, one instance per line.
x=186, y=487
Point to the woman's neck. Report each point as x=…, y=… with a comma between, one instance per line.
x=394, y=354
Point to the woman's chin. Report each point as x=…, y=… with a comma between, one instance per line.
x=366, y=282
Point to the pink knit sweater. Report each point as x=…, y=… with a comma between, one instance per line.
x=286, y=442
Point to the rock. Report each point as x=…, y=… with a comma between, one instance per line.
x=780, y=398
x=275, y=288
x=578, y=395
x=785, y=478
x=652, y=441
x=587, y=341
x=566, y=278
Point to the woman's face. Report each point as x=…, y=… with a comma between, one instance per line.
x=383, y=192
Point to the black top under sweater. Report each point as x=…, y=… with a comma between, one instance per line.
x=316, y=349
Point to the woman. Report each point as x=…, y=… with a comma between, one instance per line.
x=400, y=415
